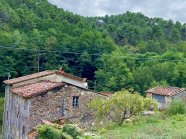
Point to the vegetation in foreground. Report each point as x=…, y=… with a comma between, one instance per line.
x=68, y=131
x=159, y=126
x=121, y=106
x=163, y=125
x=169, y=124
x=1, y=113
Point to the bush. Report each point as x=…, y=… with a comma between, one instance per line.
x=179, y=117
x=121, y=106
x=103, y=131
x=1, y=109
x=66, y=136
x=49, y=132
x=71, y=130
x=54, y=132
x=176, y=107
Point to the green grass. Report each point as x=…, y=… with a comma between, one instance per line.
x=159, y=126
x=1, y=114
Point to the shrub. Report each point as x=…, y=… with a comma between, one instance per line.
x=103, y=130
x=1, y=110
x=179, y=117
x=66, y=136
x=176, y=107
x=54, y=132
x=71, y=130
x=49, y=132
x=121, y=106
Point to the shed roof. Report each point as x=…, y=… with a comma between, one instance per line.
x=166, y=91
x=107, y=94
x=31, y=90
x=42, y=74
x=61, y=72
x=28, y=77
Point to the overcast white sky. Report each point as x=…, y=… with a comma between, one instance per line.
x=167, y=9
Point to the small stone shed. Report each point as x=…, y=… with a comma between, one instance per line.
x=164, y=95
x=47, y=95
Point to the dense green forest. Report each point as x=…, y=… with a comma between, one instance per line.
x=127, y=51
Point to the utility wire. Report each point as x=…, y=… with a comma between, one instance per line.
x=62, y=52
x=79, y=53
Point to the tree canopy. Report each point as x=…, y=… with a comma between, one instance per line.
x=128, y=50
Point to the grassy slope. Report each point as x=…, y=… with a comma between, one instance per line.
x=151, y=128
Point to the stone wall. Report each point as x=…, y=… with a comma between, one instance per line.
x=15, y=117
x=58, y=103
x=46, y=107
x=22, y=115
x=181, y=96
x=82, y=114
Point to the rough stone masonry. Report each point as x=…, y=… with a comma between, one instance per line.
x=48, y=95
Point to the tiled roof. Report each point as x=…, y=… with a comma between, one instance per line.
x=31, y=90
x=41, y=74
x=33, y=135
x=71, y=76
x=166, y=91
x=106, y=93
x=28, y=77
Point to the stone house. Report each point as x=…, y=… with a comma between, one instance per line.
x=164, y=95
x=47, y=95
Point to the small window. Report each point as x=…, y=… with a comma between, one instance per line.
x=159, y=98
x=26, y=105
x=23, y=131
x=75, y=102
x=7, y=115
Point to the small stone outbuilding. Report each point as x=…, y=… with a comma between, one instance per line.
x=47, y=95
x=164, y=95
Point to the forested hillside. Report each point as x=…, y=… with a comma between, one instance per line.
x=113, y=52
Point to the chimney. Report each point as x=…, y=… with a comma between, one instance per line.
x=61, y=70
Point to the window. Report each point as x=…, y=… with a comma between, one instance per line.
x=159, y=98
x=7, y=115
x=26, y=105
x=75, y=102
x=23, y=131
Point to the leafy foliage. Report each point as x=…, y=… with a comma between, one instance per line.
x=71, y=130
x=46, y=131
x=176, y=107
x=128, y=50
x=121, y=106
x=1, y=109
x=54, y=132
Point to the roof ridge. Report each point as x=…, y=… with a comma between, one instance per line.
x=29, y=77
x=71, y=76
x=165, y=90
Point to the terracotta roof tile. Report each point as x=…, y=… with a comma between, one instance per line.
x=71, y=76
x=31, y=90
x=33, y=135
x=105, y=93
x=166, y=91
x=28, y=77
